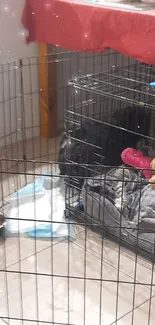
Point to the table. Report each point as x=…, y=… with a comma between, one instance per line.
x=89, y=27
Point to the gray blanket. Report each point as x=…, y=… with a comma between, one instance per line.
x=131, y=195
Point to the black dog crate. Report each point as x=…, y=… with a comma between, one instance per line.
x=111, y=106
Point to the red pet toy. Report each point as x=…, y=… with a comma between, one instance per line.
x=135, y=158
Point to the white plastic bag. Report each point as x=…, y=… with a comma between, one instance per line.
x=22, y=217
x=38, y=212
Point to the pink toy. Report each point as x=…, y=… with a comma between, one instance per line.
x=135, y=158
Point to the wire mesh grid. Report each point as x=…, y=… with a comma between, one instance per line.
x=129, y=83
x=62, y=281
x=96, y=271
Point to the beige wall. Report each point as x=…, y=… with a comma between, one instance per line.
x=13, y=47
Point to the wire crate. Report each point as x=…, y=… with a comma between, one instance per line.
x=59, y=138
x=129, y=84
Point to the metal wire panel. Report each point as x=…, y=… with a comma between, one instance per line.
x=102, y=275
x=130, y=84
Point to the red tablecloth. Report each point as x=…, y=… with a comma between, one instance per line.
x=80, y=26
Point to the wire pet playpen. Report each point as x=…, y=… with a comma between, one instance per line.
x=81, y=273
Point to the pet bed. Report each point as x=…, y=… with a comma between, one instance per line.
x=123, y=204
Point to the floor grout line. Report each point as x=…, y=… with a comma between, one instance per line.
x=4, y=321
x=128, y=313
x=77, y=244
x=38, y=252
x=146, y=286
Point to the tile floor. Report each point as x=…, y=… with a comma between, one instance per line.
x=72, y=282
x=94, y=292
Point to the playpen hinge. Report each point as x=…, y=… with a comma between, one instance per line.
x=20, y=63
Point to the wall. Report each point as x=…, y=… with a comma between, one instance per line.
x=17, y=111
